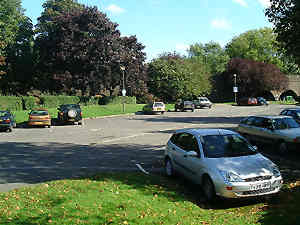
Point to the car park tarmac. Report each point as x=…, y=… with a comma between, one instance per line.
x=120, y=143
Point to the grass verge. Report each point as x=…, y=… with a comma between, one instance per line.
x=135, y=198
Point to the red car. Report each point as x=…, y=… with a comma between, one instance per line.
x=247, y=101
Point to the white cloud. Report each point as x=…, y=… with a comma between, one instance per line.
x=182, y=47
x=241, y=2
x=222, y=24
x=265, y=3
x=115, y=9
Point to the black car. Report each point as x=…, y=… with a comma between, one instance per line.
x=69, y=113
x=7, y=121
x=293, y=112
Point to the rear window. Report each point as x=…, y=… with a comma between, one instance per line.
x=39, y=113
x=158, y=104
x=4, y=114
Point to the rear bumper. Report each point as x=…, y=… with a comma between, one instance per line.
x=39, y=122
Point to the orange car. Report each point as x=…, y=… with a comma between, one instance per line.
x=39, y=117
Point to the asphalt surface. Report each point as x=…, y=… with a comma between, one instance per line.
x=33, y=155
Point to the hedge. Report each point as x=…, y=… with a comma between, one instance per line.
x=12, y=103
x=29, y=102
x=117, y=100
x=55, y=101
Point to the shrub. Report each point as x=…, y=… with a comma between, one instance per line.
x=29, y=102
x=117, y=100
x=55, y=101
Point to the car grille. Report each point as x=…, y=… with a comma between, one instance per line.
x=261, y=191
x=259, y=178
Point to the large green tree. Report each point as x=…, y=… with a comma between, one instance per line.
x=172, y=77
x=11, y=13
x=211, y=54
x=261, y=45
x=82, y=50
x=285, y=15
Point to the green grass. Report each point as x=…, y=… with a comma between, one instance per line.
x=135, y=198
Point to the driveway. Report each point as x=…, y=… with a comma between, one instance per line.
x=34, y=155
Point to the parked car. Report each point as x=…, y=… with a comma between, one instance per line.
x=202, y=102
x=154, y=107
x=283, y=132
x=293, y=112
x=69, y=113
x=262, y=101
x=247, y=101
x=184, y=105
x=222, y=162
x=39, y=117
x=7, y=121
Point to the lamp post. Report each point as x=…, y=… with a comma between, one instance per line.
x=235, y=89
x=123, y=87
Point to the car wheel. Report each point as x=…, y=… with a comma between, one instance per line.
x=162, y=113
x=208, y=189
x=193, y=110
x=283, y=148
x=9, y=129
x=169, y=168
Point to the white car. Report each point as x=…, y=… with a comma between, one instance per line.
x=223, y=162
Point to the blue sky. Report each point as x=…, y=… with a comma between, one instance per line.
x=171, y=25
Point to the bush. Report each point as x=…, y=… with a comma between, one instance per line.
x=55, y=101
x=29, y=102
x=87, y=100
x=117, y=100
x=12, y=103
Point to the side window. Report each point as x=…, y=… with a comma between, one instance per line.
x=283, y=112
x=249, y=121
x=258, y=122
x=174, y=138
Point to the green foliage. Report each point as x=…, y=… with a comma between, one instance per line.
x=210, y=54
x=172, y=77
x=11, y=103
x=55, y=101
x=117, y=100
x=29, y=102
x=261, y=45
x=285, y=15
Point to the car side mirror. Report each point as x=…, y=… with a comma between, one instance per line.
x=191, y=154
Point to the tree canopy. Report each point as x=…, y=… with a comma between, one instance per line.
x=83, y=51
x=285, y=15
x=172, y=77
x=261, y=45
x=253, y=77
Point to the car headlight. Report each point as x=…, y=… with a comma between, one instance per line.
x=276, y=171
x=230, y=176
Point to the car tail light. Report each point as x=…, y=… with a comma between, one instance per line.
x=80, y=113
x=7, y=121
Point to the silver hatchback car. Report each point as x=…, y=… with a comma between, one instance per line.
x=222, y=162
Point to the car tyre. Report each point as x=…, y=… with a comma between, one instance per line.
x=283, y=148
x=169, y=169
x=208, y=189
x=9, y=129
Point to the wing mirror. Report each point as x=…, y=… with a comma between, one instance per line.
x=191, y=154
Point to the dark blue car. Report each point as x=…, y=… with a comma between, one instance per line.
x=7, y=121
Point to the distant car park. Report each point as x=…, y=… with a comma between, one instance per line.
x=222, y=162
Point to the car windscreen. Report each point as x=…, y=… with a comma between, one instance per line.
x=219, y=146
x=285, y=123
x=158, y=104
x=39, y=113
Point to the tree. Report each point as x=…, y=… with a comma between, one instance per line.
x=261, y=45
x=10, y=16
x=285, y=15
x=211, y=54
x=253, y=77
x=172, y=77
x=83, y=51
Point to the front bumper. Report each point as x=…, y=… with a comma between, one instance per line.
x=249, y=189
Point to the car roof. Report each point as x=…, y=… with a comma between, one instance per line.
x=207, y=131
x=271, y=116
x=292, y=109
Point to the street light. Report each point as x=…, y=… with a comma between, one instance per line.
x=235, y=89
x=123, y=87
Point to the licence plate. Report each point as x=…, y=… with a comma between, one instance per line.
x=260, y=186
x=158, y=109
